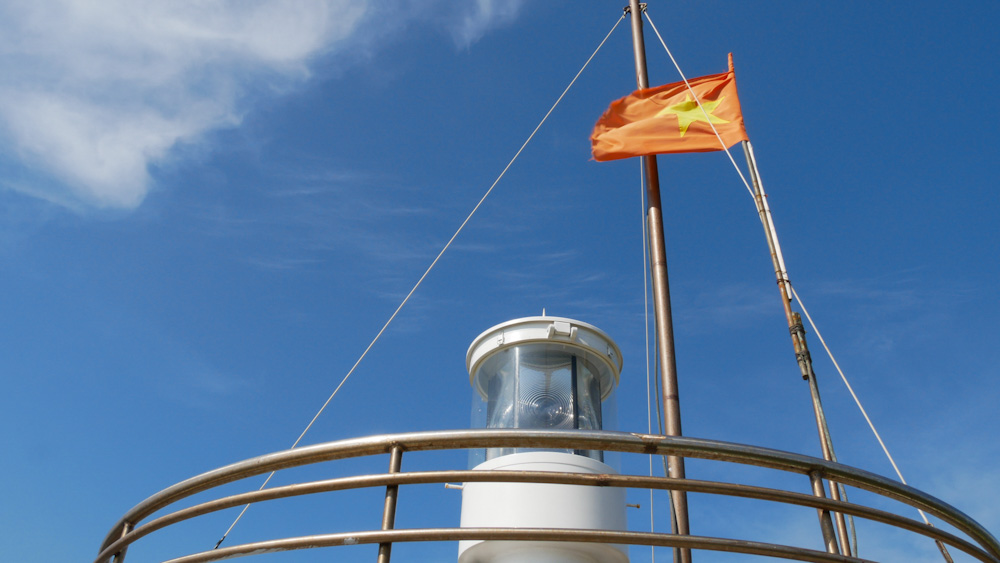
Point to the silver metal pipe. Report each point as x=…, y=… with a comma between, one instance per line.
x=826, y=443
x=556, y=439
x=826, y=523
x=389, y=508
x=661, y=297
x=519, y=534
x=467, y=476
x=119, y=556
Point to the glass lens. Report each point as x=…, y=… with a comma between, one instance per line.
x=540, y=386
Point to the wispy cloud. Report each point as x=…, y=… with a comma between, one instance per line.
x=898, y=307
x=736, y=305
x=94, y=93
x=479, y=17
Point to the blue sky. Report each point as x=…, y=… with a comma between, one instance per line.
x=209, y=210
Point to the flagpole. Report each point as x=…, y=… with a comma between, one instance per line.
x=661, y=301
x=798, y=335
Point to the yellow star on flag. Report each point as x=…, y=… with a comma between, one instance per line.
x=688, y=112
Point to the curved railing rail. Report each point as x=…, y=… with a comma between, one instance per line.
x=978, y=542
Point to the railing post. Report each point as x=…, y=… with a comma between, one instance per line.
x=120, y=556
x=389, y=510
x=825, y=521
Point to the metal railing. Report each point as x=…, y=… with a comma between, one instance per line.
x=977, y=541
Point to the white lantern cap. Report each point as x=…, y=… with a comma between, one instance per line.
x=587, y=339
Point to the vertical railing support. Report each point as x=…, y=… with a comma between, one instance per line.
x=825, y=521
x=120, y=556
x=389, y=510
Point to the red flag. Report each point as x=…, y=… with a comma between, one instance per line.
x=667, y=119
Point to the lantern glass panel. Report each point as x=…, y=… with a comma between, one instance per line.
x=542, y=386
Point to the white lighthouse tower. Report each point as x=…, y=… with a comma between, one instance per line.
x=543, y=373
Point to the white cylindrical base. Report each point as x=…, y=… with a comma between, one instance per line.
x=541, y=505
x=542, y=552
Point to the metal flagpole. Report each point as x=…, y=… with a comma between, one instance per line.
x=661, y=300
x=798, y=335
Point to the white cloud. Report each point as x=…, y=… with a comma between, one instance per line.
x=101, y=154
x=482, y=16
x=92, y=92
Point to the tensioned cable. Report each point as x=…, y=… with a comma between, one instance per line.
x=698, y=100
x=429, y=268
x=941, y=547
x=653, y=397
x=857, y=401
x=645, y=316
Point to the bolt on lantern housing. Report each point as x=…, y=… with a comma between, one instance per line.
x=543, y=373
